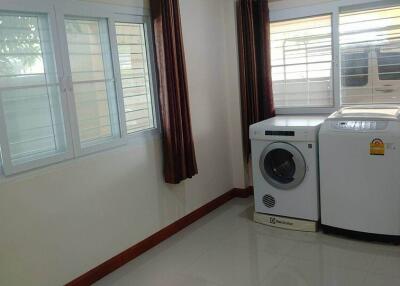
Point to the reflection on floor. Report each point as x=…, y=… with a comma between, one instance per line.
x=227, y=248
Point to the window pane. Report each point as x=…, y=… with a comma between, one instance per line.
x=301, y=53
x=135, y=76
x=354, y=69
x=29, y=89
x=388, y=64
x=93, y=80
x=370, y=56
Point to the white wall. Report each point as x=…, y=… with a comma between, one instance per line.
x=57, y=223
x=232, y=85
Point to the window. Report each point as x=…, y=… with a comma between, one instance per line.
x=301, y=54
x=93, y=80
x=388, y=64
x=31, y=117
x=74, y=79
x=354, y=68
x=370, y=56
x=350, y=56
x=135, y=76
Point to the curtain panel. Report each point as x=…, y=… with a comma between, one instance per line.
x=254, y=64
x=178, y=148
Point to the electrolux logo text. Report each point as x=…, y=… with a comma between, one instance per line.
x=274, y=220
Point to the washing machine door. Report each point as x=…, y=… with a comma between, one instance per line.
x=282, y=165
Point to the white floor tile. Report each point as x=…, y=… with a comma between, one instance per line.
x=296, y=272
x=381, y=280
x=251, y=237
x=333, y=255
x=388, y=264
x=226, y=248
x=235, y=265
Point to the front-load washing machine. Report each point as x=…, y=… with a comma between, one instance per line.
x=285, y=171
x=359, y=150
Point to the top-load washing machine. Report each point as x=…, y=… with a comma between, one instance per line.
x=285, y=171
x=359, y=150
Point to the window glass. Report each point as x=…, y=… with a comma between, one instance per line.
x=93, y=80
x=389, y=64
x=135, y=76
x=54, y=99
x=370, y=56
x=354, y=68
x=29, y=90
x=301, y=54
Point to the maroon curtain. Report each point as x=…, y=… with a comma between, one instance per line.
x=178, y=147
x=255, y=65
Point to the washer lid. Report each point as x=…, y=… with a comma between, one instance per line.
x=375, y=112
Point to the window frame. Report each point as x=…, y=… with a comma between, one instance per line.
x=108, y=12
x=146, y=21
x=8, y=168
x=287, y=15
x=56, y=11
x=310, y=110
x=101, y=144
x=333, y=8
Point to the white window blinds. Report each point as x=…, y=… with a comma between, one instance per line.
x=370, y=56
x=93, y=80
x=31, y=117
x=301, y=59
x=134, y=70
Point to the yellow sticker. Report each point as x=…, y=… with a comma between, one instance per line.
x=377, y=147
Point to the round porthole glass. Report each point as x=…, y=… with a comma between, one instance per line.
x=282, y=165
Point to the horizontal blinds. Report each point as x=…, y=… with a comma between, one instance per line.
x=370, y=56
x=93, y=79
x=29, y=89
x=301, y=59
x=133, y=62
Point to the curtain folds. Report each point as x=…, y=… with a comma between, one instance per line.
x=255, y=65
x=178, y=148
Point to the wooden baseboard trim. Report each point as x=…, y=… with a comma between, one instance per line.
x=131, y=253
x=243, y=193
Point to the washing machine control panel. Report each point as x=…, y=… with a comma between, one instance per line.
x=359, y=125
x=279, y=133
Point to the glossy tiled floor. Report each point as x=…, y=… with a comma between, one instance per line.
x=226, y=248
